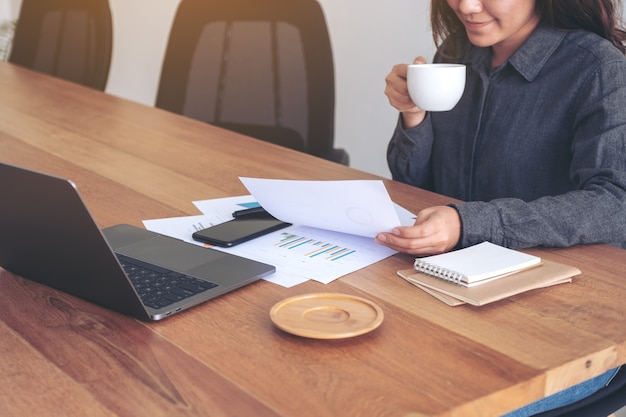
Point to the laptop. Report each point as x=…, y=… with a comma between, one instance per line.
x=48, y=235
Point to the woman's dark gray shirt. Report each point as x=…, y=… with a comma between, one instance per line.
x=536, y=147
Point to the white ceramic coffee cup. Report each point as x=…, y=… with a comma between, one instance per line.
x=436, y=87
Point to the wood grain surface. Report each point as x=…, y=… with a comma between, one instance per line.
x=63, y=356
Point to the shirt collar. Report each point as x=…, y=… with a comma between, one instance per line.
x=530, y=58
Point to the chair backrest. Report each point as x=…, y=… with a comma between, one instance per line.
x=260, y=67
x=70, y=39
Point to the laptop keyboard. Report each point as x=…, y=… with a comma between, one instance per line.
x=159, y=287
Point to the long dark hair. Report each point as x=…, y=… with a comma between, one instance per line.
x=602, y=17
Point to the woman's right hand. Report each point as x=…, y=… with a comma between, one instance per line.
x=397, y=93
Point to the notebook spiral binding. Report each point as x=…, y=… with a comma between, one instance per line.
x=434, y=270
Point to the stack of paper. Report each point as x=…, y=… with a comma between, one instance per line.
x=333, y=226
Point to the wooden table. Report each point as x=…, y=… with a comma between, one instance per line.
x=60, y=355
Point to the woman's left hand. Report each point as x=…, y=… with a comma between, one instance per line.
x=436, y=230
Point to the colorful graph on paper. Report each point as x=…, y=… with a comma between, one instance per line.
x=313, y=248
x=306, y=253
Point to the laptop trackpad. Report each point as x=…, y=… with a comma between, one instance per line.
x=170, y=253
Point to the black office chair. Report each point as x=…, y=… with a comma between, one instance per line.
x=263, y=68
x=601, y=404
x=70, y=39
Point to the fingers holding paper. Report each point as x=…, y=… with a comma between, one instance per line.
x=436, y=230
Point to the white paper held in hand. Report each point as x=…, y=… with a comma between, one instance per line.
x=358, y=207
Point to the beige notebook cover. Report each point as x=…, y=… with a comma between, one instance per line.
x=545, y=275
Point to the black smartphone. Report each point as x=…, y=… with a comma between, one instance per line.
x=239, y=230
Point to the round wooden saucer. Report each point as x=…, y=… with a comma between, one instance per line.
x=326, y=315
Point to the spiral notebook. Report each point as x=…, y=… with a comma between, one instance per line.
x=545, y=275
x=476, y=265
x=484, y=273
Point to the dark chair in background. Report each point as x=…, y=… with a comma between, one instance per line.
x=70, y=39
x=263, y=68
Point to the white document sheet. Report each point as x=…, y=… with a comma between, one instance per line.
x=357, y=207
x=299, y=253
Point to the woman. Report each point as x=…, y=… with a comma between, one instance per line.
x=537, y=145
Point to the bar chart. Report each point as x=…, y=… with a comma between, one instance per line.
x=313, y=248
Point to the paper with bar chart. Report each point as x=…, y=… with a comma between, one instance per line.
x=299, y=253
